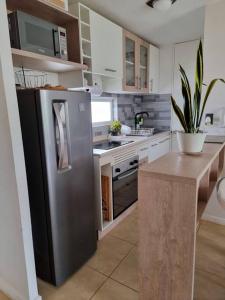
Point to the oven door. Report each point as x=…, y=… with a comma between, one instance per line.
x=125, y=191
x=38, y=35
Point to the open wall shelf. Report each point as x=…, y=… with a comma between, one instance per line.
x=42, y=9
x=41, y=62
x=54, y=14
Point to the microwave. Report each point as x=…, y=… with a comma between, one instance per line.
x=36, y=35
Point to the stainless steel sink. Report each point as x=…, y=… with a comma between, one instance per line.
x=141, y=132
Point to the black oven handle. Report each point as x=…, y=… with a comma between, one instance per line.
x=127, y=175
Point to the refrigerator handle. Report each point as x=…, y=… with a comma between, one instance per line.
x=61, y=143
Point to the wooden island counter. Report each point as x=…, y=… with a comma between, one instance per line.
x=173, y=193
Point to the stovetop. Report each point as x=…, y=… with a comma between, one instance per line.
x=107, y=145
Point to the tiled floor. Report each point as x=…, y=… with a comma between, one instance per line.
x=112, y=273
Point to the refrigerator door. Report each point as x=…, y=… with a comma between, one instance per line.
x=66, y=129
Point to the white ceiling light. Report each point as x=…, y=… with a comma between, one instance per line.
x=162, y=4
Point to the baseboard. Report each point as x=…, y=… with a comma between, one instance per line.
x=214, y=219
x=12, y=293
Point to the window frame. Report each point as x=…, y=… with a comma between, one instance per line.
x=104, y=99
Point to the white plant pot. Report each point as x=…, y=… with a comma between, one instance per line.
x=190, y=143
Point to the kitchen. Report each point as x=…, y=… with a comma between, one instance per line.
x=130, y=79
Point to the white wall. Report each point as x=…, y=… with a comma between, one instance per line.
x=184, y=55
x=214, y=49
x=17, y=270
x=166, y=67
x=170, y=58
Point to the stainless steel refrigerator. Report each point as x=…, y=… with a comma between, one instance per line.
x=57, y=138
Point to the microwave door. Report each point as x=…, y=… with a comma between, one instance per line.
x=37, y=35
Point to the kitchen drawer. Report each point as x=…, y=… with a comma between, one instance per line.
x=159, y=148
x=143, y=151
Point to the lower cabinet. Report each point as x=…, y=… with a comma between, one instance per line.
x=174, y=144
x=159, y=148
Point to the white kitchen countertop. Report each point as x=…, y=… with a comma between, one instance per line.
x=136, y=141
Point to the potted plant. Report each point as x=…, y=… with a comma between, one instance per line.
x=192, y=139
x=115, y=128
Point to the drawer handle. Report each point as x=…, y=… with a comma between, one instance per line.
x=154, y=145
x=143, y=149
x=163, y=141
x=110, y=70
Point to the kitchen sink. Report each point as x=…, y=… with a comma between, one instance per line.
x=141, y=132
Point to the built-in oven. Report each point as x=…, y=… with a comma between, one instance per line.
x=125, y=185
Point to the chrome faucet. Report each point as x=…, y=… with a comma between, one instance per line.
x=139, y=118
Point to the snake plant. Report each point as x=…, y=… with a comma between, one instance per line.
x=191, y=115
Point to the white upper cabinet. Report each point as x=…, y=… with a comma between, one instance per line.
x=153, y=69
x=106, y=46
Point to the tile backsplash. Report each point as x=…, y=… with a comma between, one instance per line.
x=128, y=106
x=158, y=107
x=100, y=131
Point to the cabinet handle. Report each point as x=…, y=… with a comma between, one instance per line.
x=144, y=149
x=152, y=81
x=154, y=145
x=110, y=70
x=161, y=142
x=139, y=83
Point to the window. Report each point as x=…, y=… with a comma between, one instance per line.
x=102, y=111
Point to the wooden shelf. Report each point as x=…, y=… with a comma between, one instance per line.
x=56, y=15
x=41, y=62
x=87, y=72
x=42, y=9
x=87, y=56
x=86, y=41
x=129, y=62
x=85, y=24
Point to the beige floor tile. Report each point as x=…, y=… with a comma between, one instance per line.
x=127, y=272
x=3, y=296
x=109, y=254
x=210, y=262
x=127, y=230
x=112, y=290
x=81, y=286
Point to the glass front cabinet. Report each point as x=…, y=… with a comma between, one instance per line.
x=136, y=62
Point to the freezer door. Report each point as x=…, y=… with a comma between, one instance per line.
x=66, y=129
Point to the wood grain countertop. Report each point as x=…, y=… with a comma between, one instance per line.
x=179, y=166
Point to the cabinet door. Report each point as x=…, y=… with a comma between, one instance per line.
x=164, y=146
x=153, y=69
x=130, y=80
x=106, y=46
x=174, y=144
x=159, y=148
x=143, y=52
x=154, y=151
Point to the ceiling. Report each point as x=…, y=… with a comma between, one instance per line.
x=183, y=22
